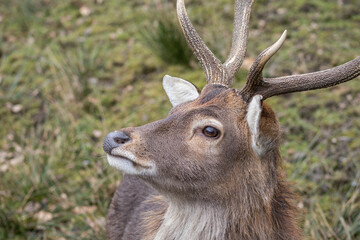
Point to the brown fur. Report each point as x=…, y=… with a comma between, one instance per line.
x=223, y=176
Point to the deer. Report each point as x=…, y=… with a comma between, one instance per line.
x=212, y=168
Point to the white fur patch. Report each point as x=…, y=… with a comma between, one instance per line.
x=179, y=90
x=192, y=221
x=253, y=119
x=127, y=163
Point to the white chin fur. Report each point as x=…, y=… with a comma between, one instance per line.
x=128, y=167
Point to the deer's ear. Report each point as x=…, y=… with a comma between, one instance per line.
x=253, y=117
x=179, y=90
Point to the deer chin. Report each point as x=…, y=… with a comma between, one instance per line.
x=127, y=163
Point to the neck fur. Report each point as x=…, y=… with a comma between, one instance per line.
x=193, y=221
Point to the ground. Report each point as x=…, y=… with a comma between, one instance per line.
x=73, y=70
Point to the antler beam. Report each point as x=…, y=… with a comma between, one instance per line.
x=268, y=87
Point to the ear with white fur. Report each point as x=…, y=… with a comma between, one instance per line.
x=179, y=90
x=253, y=117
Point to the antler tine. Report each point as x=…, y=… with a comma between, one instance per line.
x=240, y=37
x=255, y=78
x=214, y=70
x=268, y=87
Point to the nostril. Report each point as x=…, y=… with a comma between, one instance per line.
x=114, y=140
x=120, y=137
x=119, y=140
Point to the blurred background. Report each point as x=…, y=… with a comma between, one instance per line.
x=73, y=70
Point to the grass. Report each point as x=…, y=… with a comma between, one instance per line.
x=166, y=40
x=72, y=71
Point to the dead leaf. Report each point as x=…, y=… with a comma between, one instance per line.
x=4, y=168
x=281, y=11
x=291, y=151
x=10, y=137
x=12, y=38
x=8, y=105
x=16, y=108
x=65, y=19
x=79, y=21
x=97, y=223
x=3, y=155
x=97, y=133
x=43, y=216
x=18, y=148
x=52, y=34
x=17, y=160
x=93, y=80
x=63, y=196
x=5, y=193
x=52, y=207
x=85, y=11
x=84, y=209
x=32, y=207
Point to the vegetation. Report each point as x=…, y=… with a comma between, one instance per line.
x=166, y=40
x=73, y=70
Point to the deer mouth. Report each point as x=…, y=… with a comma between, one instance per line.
x=126, y=160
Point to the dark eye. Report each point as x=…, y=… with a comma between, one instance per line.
x=211, y=132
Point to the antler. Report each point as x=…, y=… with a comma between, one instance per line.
x=240, y=36
x=223, y=74
x=268, y=87
x=216, y=72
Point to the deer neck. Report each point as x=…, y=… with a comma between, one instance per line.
x=192, y=221
x=248, y=210
x=199, y=220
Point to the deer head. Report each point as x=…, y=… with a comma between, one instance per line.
x=219, y=142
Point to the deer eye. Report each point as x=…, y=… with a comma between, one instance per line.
x=211, y=132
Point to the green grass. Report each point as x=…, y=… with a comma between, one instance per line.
x=165, y=39
x=67, y=78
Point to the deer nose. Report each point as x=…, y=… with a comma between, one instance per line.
x=114, y=140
